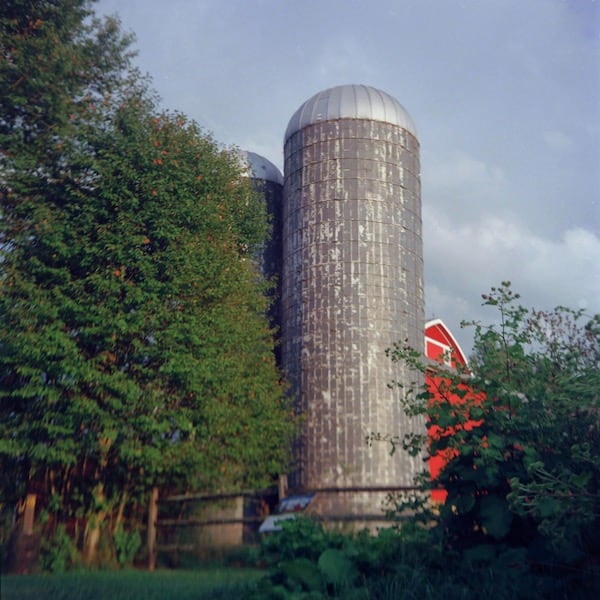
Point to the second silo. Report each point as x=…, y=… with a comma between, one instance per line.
x=352, y=285
x=268, y=181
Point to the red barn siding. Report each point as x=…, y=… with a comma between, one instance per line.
x=440, y=346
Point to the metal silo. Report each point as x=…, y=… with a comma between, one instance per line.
x=268, y=181
x=352, y=285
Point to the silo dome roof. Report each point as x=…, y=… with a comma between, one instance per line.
x=351, y=102
x=261, y=168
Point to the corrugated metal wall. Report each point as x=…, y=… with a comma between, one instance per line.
x=352, y=285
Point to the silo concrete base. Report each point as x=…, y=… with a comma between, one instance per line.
x=350, y=510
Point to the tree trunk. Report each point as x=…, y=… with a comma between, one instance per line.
x=29, y=514
x=93, y=528
x=120, y=511
x=24, y=544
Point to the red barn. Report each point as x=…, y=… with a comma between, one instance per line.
x=441, y=348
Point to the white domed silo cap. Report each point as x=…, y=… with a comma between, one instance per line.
x=351, y=102
x=261, y=168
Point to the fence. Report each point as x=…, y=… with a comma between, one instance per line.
x=189, y=522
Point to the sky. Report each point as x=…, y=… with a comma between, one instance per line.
x=505, y=95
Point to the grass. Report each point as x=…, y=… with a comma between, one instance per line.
x=206, y=584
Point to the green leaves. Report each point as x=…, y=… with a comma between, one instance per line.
x=496, y=518
x=337, y=568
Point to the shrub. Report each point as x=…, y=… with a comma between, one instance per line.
x=522, y=442
x=58, y=552
x=127, y=544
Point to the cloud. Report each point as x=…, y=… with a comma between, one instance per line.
x=466, y=260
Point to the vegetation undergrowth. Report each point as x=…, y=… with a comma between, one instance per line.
x=307, y=561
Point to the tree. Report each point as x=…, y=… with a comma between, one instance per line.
x=524, y=476
x=134, y=344
x=58, y=67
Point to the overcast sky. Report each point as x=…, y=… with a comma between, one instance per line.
x=505, y=95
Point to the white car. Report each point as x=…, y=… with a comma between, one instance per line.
x=288, y=508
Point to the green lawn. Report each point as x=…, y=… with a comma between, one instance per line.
x=129, y=585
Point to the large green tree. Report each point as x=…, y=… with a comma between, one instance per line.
x=134, y=345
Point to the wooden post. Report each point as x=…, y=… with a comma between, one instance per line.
x=282, y=487
x=151, y=537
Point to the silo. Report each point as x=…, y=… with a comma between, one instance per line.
x=352, y=286
x=268, y=181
